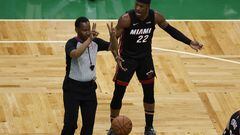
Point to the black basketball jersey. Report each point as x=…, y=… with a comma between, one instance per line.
x=136, y=40
x=233, y=126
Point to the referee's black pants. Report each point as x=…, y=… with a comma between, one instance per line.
x=88, y=111
x=88, y=105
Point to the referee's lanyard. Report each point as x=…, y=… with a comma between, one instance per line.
x=91, y=65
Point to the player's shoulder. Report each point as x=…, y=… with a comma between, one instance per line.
x=158, y=13
x=125, y=17
x=159, y=17
x=124, y=21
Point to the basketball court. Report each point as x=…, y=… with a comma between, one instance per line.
x=195, y=92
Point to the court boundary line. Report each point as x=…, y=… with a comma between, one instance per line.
x=155, y=48
x=30, y=41
x=197, y=55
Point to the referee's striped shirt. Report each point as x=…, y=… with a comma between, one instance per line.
x=79, y=68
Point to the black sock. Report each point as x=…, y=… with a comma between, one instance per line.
x=149, y=120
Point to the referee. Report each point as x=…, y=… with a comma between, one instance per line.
x=79, y=83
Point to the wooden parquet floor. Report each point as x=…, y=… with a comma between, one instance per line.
x=194, y=95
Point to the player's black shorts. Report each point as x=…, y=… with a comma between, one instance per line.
x=144, y=69
x=233, y=127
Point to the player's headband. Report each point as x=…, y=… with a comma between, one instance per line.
x=144, y=1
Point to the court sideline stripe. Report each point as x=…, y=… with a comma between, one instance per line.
x=197, y=55
x=30, y=42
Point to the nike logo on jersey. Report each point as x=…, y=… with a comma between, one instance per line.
x=149, y=22
x=134, y=24
x=140, y=31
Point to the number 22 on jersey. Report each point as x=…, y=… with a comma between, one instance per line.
x=142, y=38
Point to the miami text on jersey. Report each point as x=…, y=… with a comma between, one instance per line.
x=140, y=31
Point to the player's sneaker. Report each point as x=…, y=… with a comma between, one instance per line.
x=149, y=131
x=110, y=132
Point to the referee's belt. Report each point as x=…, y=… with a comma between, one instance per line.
x=83, y=84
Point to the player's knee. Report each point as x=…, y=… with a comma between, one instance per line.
x=149, y=98
x=148, y=93
x=116, y=104
x=118, y=94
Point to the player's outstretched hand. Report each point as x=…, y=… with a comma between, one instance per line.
x=196, y=45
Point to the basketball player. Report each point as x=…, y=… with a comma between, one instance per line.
x=233, y=126
x=79, y=83
x=135, y=29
